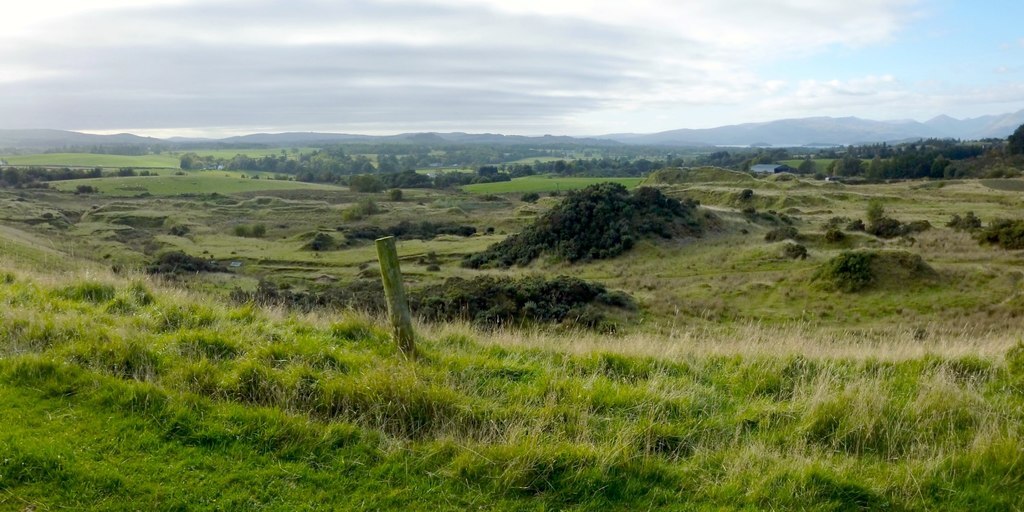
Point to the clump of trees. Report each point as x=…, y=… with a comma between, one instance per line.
x=600, y=221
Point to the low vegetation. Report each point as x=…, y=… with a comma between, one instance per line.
x=601, y=221
x=1005, y=233
x=116, y=388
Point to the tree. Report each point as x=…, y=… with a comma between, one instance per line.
x=807, y=166
x=1015, y=144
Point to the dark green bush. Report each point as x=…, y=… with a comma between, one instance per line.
x=969, y=222
x=849, y=271
x=321, y=242
x=598, y=222
x=1008, y=234
x=886, y=227
x=833, y=236
x=782, y=233
x=794, y=251
x=530, y=197
x=177, y=262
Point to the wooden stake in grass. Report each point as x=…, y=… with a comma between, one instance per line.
x=394, y=292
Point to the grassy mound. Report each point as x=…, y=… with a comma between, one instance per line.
x=675, y=176
x=115, y=396
x=853, y=271
x=600, y=221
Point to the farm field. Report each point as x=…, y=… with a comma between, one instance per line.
x=544, y=184
x=741, y=380
x=194, y=182
x=163, y=161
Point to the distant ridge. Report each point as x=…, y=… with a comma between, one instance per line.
x=817, y=131
x=809, y=131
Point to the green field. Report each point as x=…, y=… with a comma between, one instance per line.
x=820, y=164
x=162, y=161
x=195, y=182
x=230, y=153
x=544, y=184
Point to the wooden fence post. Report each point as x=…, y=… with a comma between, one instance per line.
x=394, y=292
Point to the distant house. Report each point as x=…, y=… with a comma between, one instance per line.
x=770, y=169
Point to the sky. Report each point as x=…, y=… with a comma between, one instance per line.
x=573, y=67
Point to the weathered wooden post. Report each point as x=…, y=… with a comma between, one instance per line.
x=394, y=292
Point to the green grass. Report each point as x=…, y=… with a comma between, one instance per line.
x=117, y=395
x=230, y=153
x=194, y=182
x=162, y=161
x=1006, y=185
x=545, y=184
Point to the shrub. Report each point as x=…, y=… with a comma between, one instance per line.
x=179, y=230
x=321, y=242
x=833, y=236
x=492, y=301
x=530, y=197
x=254, y=231
x=177, y=262
x=395, y=194
x=856, y=225
x=969, y=222
x=794, y=251
x=598, y=222
x=86, y=189
x=782, y=233
x=360, y=210
x=886, y=227
x=1008, y=234
x=849, y=271
x=745, y=195
x=853, y=271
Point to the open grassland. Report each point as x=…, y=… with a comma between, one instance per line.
x=162, y=161
x=544, y=184
x=228, y=153
x=195, y=182
x=119, y=393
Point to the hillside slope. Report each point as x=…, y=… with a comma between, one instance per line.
x=119, y=395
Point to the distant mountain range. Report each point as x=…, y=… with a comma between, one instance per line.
x=831, y=131
x=810, y=131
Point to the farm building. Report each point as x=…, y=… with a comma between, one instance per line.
x=770, y=169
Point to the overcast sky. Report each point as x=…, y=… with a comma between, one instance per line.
x=224, y=67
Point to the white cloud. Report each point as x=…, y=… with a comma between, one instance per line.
x=425, y=63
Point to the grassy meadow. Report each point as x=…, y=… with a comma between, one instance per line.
x=745, y=382
x=161, y=161
x=544, y=184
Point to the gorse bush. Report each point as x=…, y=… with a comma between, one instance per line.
x=494, y=301
x=782, y=233
x=853, y=271
x=969, y=222
x=600, y=221
x=1005, y=233
x=178, y=262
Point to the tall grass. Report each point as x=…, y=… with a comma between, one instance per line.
x=747, y=416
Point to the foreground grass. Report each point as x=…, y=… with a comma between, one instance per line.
x=118, y=395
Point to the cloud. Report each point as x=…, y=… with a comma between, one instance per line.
x=421, y=64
